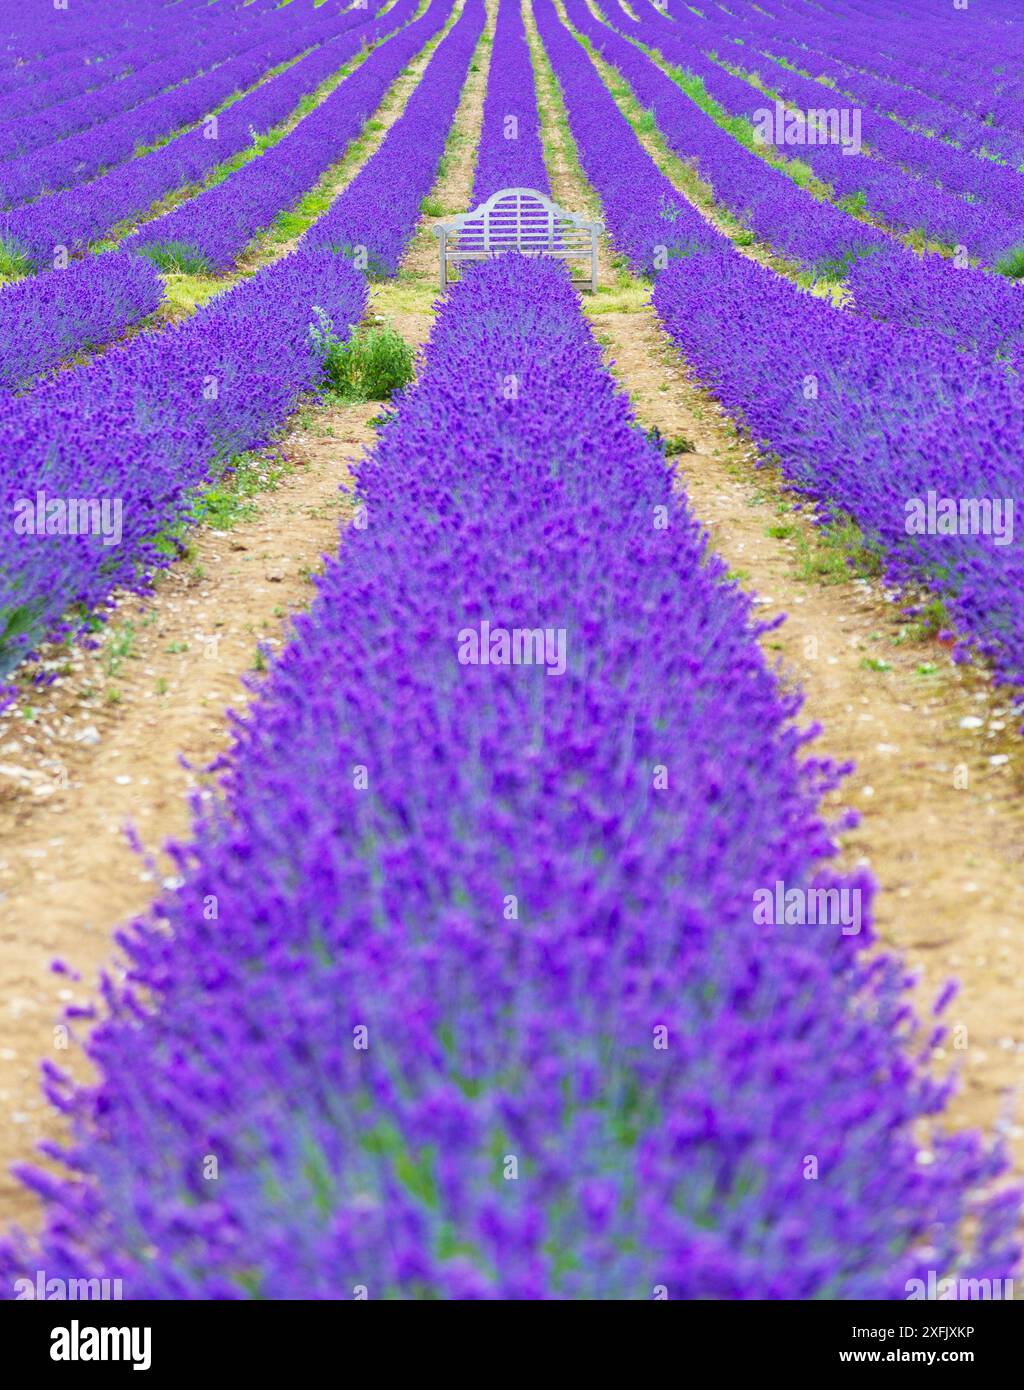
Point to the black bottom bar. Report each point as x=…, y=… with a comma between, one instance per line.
x=266, y=1339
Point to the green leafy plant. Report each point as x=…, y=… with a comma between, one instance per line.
x=178, y=256
x=371, y=366
x=1012, y=264
x=14, y=262
x=671, y=445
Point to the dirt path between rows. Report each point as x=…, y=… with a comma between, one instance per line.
x=939, y=762
x=100, y=749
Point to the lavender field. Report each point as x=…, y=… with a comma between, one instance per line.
x=511, y=791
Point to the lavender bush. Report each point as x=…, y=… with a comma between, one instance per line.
x=904, y=140
x=903, y=200
x=46, y=320
x=865, y=417
x=764, y=199
x=509, y=153
x=48, y=57
x=161, y=99
x=649, y=219
x=168, y=54
x=870, y=420
x=980, y=311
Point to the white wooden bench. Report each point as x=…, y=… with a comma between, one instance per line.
x=518, y=219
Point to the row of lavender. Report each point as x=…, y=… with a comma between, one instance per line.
x=141, y=427
x=958, y=171
x=887, y=280
x=510, y=154
x=128, y=438
x=193, y=80
x=215, y=226
x=374, y=217
x=84, y=303
x=45, y=321
x=74, y=218
x=901, y=200
x=462, y=993
x=49, y=56
x=865, y=417
x=424, y=1021
x=177, y=48
x=762, y=197
x=953, y=75
x=84, y=49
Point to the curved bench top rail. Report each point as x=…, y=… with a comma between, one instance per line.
x=523, y=219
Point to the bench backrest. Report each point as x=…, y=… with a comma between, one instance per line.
x=520, y=219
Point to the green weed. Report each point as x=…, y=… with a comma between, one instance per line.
x=371, y=366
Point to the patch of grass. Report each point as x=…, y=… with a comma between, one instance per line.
x=1012, y=264
x=838, y=553
x=371, y=366
x=229, y=499
x=875, y=663
x=224, y=501
x=630, y=298
x=431, y=206
x=934, y=617
x=178, y=256
x=14, y=262
x=406, y=293
x=670, y=445
x=16, y=620
x=854, y=202
x=120, y=648
x=184, y=294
